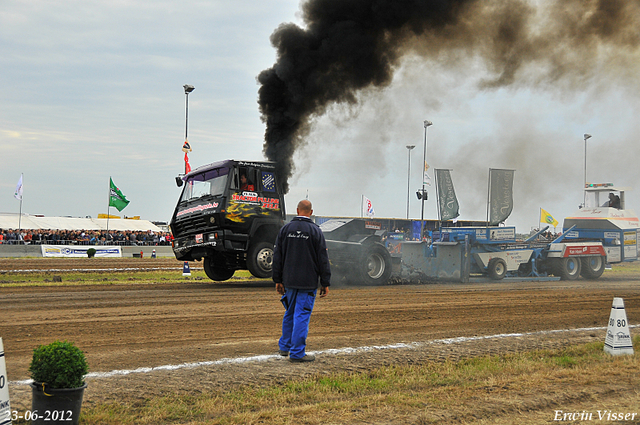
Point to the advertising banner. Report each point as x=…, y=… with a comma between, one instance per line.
x=80, y=251
x=500, y=195
x=447, y=201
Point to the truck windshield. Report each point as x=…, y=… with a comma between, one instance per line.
x=209, y=183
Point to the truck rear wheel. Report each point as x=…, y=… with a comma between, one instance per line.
x=568, y=268
x=260, y=260
x=374, y=267
x=215, y=272
x=497, y=268
x=593, y=267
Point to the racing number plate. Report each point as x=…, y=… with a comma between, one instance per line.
x=199, y=238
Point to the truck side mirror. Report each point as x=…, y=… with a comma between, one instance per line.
x=179, y=181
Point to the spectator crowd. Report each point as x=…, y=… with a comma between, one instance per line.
x=83, y=237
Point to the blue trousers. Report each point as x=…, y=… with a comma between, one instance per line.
x=295, y=324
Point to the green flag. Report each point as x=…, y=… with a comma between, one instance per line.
x=116, y=198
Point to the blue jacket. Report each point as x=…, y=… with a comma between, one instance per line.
x=300, y=256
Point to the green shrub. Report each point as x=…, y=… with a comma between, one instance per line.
x=91, y=252
x=59, y=364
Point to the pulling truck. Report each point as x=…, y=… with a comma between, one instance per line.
x=596, y=235
x=229, y=215
x=356, y=251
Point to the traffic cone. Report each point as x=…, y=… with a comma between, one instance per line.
x=618, y=339
x=186, y=271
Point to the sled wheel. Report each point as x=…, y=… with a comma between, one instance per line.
x=593, y=267
x=497, y=268
x=568, y=268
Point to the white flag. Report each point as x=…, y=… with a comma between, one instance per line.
x=367, y=207
x=426, y=179
x=18, y=194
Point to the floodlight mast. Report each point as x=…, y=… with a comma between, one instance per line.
x=584, y=200
x=409, y=149
x=427, y=124
x=187, y=89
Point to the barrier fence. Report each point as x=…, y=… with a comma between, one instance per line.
x=65, y=242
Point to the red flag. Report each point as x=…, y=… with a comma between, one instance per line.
x=187, y=167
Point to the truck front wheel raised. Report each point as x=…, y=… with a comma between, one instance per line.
x=215, y=272
x=593, y=267
x=568, y=268
x=260, y=259
x=497, y=268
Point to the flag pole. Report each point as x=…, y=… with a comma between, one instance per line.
x=21, y=196
x=108, y=208
x=488, y=196
x=539, y=217
x=361, y=206
x=435, y=178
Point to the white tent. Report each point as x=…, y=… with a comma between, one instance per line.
x=14, y=221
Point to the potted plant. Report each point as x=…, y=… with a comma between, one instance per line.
x=91, y=252
x=58, y=371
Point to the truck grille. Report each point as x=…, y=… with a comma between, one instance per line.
x=190, y=226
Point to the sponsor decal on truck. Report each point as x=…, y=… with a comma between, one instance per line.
x=580, y=250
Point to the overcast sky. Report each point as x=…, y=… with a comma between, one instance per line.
x=93, y=89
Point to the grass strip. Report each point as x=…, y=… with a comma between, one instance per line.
x=112, y=277
x=475, y=389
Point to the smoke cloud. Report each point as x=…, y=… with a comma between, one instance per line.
x=351, y=45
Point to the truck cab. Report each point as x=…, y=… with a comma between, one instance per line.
x=605, y=218
x=228, y=216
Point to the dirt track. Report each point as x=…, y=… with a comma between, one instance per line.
x=125, y=327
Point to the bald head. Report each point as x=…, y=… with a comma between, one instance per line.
x=305, y=208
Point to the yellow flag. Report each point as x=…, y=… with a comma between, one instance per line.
x=108, y=216
x=547, y=218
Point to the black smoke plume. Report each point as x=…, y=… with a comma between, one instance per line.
x=350, y=45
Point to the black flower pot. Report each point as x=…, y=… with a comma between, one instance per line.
x=55, y=406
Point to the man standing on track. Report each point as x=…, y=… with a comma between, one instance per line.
x=300, y=260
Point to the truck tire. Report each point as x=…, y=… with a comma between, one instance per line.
x=593, y=267
x=260, y=259
x=497, y=268
x=568, y=268
x=374, y=267
x=215, y=272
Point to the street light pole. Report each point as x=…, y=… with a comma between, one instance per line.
x=187, y=89
x=186, y=148
x=584, y=200
x=424, y=173
x=409, y=149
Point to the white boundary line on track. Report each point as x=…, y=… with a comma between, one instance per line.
x=97, y=270
x=334, y=351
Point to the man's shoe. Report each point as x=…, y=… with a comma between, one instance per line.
x=283, y=353
x=306, y=358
